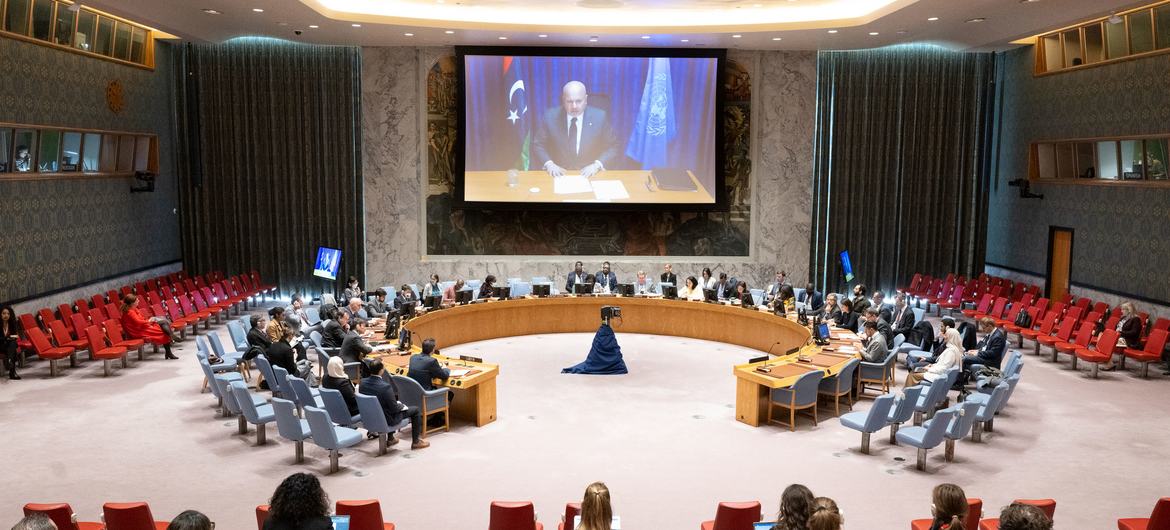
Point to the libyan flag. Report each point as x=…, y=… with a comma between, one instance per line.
x=517, y=116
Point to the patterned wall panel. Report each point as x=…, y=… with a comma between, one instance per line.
x=59, y=233
x=1122, y=234
x=407, y=105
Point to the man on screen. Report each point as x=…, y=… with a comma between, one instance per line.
x=574, y=136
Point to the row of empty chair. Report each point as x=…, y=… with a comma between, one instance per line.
x=503, y=515
x=93, y=325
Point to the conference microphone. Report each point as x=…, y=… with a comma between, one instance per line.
x=772, y=346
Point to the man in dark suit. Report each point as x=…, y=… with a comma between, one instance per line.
x=355, y=347
x=405, y=295
x=378, y=307
x=333, y=335
x=577, y=276
x=813, y=300
x=606, y=279
x=373, y=384
x=860, y=302
x=725, y=288
x=872, y=315
x=257, y=339
x=777, y=286
x=991, y=348
x=902, y=319
x=425, y=369
x=668, y=275
x=574, y=136
x=878, y=301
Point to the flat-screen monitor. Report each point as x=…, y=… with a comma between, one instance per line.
x=464, y=296
x=595, y=128
x=823, y=331
x=710, y=295
x=846, y=266
x=328, y=261
x=669, y=291
x=625, y=289
x=748, y=301
x=432, y=301
x=582, y=288
x=542, y=290
x=501, y=292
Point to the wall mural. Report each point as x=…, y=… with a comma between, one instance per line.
x=478, y=232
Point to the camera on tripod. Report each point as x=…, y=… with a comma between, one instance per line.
x=610, y=311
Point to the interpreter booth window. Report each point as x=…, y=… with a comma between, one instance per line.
x=1141, y=32
x=105, y=36
x=1066, y=165
x=22, y=151
x=1094, y=44
x=122, y=41
x=1046, y=162
x=1156, y=159
x=1132, y=160
x=86, y=26
x=71, y=151
x=1162, y=26
x=138, y=45
x=1086, y=160
x=1115, y=41
x=16, y=16
x=125, y=153
x=1072, y=48
x=109, y=161
x=141, y=153
x=1052, y=58
x=1107, y=159
x=48, y=161
x=63, y=34
x=5, y=150
x=91, y=152
x=42, y=19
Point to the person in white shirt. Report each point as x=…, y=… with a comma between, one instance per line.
x=707, y=281
x=642, y=285
x=950, y=358
x=691, y=291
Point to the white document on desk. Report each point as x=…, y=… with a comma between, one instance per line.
x=570, y=184
x=610, y=190
x=459, y=372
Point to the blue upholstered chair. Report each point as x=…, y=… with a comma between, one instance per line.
x=329, y=436
x=935, y=394
x=289, y=426
x=374, y=420
x=246, y=323
x=266, y=372
x=229, y=364
x=540, y=279
x=302, y=395
x=926, y=438
x=919, y=314
x=1011, y=366
x=209, y=376
x=801, y=395
x=758, y=296
x=328, y=298
x=282, y=386
x=233, y=356
x=903, y=410
x=876, y=374
x=959, y=427
x=428, y=402
x=839, y=385
x=870, y=421
x=239, y=336
x=520, y=289
x=337, y=408
x=988, y=406
x=258, y=415
x=313, y=316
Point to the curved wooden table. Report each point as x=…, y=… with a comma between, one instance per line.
x=729, y=324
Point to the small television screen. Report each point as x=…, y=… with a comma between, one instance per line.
x=464, y=296
x=582, y=288
x=328, y=261
x=823, y=331
x=846, y=266
x=541, y=290
x=625, y=289
x=669, y=291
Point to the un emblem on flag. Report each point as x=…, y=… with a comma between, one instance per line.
x=659, y=100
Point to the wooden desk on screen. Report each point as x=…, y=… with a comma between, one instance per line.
x=753, y=386
x=492, y=186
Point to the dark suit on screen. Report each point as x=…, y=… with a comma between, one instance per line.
x=551, y=142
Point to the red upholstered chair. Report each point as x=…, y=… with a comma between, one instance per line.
x=1012, y=328
x=1082, y=339
x=261, y=516
x=1048, y=506
x=1158, y=520
x=62, y=337
x=65, y=311
x=572, y=509
x=983, y=307
x=364, y=515
x=180, y=323
x=79, y=323
x=80, y=304
x=259, y=285
x=45, y=350
x=113, y=296
x=62, y=515
x=202, y=307
x=1102, y=352
x=190, y=311
x=113, y=312
x=974, y=513
x=119, y=340
x=1063, y=334
x=46, y=315
x=29, y=321
x=915, y=282
x=513, y=516
x=97, y=300
x=954, y=301
x=99, y=349
x=996, y=311
x=1162, y=323
x=131, y=516
x=1152, y=353
x=734, y=516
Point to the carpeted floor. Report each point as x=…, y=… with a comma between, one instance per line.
x=663, y=438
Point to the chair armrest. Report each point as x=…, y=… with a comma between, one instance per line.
x=436, y=398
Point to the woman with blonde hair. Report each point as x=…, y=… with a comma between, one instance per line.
x=825, y=515
x=948, y=359
x=948, y=507
x=596, y=512
x=1129, y=330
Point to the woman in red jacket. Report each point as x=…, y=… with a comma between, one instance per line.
x=139, y=327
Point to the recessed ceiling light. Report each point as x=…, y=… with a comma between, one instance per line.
x=757, y=5
x=313, y=26
x=832, y=31
x=408, y=34
x=282, y=23
x=503, y=37
x=1028, y=1
x=932, y=19
x=686, y=40
x=543, y=36
x=977, y=19
x=902, y=32
x=257, y=9
x=645, y=37
x=212, y=12
x=449, y=32
x=872, y=33
x=736, y=36
x=777, y=38
x=356, y=25
x=592, y=39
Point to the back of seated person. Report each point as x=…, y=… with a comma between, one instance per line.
x=1017, y=516
x=425, y=369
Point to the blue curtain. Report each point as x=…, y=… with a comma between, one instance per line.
x=613, y=83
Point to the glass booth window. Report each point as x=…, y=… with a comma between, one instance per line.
x=1066, y=165
x=1115, y=43
x=1156, y=151
x=16, y=16
x=1132, y=160
x=138, y=45
x=1162, y=26
x=1107, y=160
x=42, y=19
x=105, y=36
x=1094, y=44
x=122, y=41
x=1052, y=59
x=1086, y=163
x=71, y=151
x=5, y=149
x=1141, y=32
x=126, y=153
x=90, y=152
x=1072, y=48
x=22, y=153
x=85, y=30
x=1046, y=161
x=50, y=151
x=109, y=160
x=63, y=34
